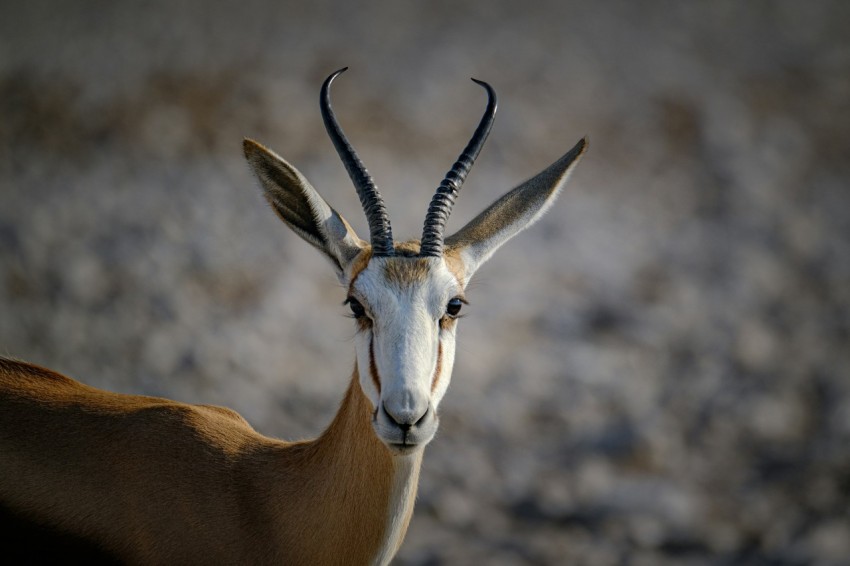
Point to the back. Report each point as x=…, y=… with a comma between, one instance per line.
x=94, y=462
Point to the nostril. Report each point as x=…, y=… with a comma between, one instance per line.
x=406, y=419
x=424, y=415
x=388, y=414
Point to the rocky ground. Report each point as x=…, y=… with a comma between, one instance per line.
x=656, y=373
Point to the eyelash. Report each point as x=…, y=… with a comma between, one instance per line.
x=357, y=309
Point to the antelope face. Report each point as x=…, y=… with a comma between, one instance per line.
x=405, y=297
x=406, y=310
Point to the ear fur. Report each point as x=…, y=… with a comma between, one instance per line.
x=514, y=212
x=301, y=207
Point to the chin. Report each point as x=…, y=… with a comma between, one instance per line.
x=397, y=449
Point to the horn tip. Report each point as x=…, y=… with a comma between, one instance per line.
x=490, y=90
x=326, y=85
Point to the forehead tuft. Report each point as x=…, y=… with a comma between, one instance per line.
x=410, y=248
x=406, y=268
x=405, y=271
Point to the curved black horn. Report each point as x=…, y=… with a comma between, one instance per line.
x=380, y=232
x=444, y=198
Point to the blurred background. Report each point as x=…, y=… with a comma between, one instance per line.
x=656, y=373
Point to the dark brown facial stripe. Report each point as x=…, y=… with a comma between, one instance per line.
x=439, y=367
x=373, y=369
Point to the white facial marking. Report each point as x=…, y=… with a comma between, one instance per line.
x=404, y=353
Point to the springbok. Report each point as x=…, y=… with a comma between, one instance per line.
x=143, y=480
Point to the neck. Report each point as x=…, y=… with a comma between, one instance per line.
x=346, y=495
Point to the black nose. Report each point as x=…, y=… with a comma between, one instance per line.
x=406, y=419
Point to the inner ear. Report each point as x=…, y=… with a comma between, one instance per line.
x=302, y=208
x=515, y=211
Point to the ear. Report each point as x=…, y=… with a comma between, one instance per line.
x=302, y=208
x=517, y=210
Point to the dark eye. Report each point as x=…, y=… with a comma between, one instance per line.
x=356, y=308
x=454, y=306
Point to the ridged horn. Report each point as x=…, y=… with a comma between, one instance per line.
x=380, y=232
x=444, y=199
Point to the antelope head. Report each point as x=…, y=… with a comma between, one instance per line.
x=405, y=297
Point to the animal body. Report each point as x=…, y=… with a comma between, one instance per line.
x=141, y=480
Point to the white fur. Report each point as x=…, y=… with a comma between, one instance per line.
x=405, y=338
x=402, y=498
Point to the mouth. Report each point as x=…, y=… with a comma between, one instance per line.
x=402, y=441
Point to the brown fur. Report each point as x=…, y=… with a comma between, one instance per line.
x=403, y=272
x=409, y=248
x=358, y=264
x=407, y=267
x=154, y=481
x=454, y=263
